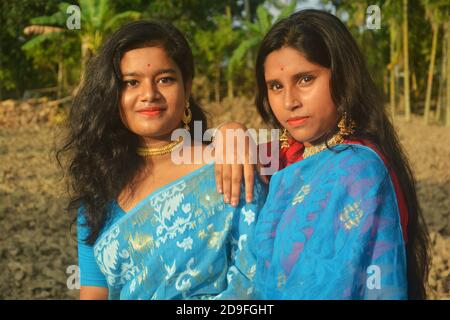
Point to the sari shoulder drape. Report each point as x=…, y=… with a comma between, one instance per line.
x=182, y=242
x=330, y=229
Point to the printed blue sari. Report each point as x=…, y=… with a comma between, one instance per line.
x=330, y=229
x=180, y=242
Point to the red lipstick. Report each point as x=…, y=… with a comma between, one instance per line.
x=297, y=121
x=150, y=111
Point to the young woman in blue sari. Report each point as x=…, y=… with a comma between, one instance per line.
x=149, y=228
x=341, y=220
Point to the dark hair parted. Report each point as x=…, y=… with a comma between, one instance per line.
x=323, y=39
x=102, y=151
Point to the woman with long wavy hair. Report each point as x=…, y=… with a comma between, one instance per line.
x=341, y=219
x=359, y=232
x=149, y=228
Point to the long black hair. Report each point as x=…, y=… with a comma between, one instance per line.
x=323, y=39
x=102, y=151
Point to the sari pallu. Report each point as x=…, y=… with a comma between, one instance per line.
x=181, y=242
x=330, y=229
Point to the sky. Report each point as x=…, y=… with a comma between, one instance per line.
x=306, y=4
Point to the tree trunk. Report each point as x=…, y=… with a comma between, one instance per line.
x=415, y=88
x=447, y=31
x=217, y=85
x=435, y=30
x=247, y=10
x=60, y=80
x=441, y=92
x=229, y=76
x=248, y=17
x=406, y=61
x=392, y=73
x=230, y=88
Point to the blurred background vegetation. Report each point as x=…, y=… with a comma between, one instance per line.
x=40, y=56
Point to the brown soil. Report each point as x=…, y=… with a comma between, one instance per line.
x=35, y=243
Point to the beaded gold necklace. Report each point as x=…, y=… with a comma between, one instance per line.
x=334, y=140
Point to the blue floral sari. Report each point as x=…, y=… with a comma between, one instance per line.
x=180, y=242
x=330, y=229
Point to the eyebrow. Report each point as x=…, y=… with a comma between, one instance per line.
x=140, y=74
x=295, y=76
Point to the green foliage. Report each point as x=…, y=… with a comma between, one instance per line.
x=254, y=32
x=57, y=46
x=224, y=36
x=56, y=19
x=17, y=72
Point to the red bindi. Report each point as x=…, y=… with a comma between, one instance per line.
x=148, y=65
x=282, y=68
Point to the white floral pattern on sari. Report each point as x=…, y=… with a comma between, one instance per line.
x=179, y=244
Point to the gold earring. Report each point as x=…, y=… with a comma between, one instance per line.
x=346, y=126
x=187, y=116
x=284, y=139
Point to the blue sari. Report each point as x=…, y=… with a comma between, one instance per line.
x=330, y=229
x=180, y=242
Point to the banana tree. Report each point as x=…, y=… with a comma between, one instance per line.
x=43, y=34
x=98, y=19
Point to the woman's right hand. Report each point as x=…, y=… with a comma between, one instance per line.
x=232, y=163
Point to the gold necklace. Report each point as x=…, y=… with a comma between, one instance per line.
x=159, y=151
x=334, y=140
